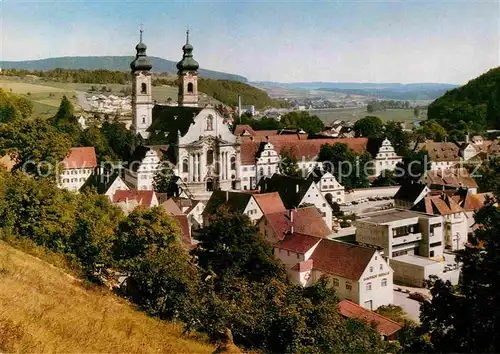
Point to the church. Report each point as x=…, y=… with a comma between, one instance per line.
x=195, y=139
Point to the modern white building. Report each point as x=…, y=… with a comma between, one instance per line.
x=78, y=167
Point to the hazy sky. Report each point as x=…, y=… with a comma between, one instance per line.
x=365, y=41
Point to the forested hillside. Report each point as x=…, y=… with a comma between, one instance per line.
x=474, y=106
x=227, y=92
x=118, y=63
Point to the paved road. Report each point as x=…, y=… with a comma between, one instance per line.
x=411, y=307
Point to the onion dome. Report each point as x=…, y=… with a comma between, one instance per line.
x=187, y=63
x=141, y=61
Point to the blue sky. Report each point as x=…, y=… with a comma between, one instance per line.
x=362, y=41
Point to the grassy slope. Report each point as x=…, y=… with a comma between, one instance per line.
x=43, y=309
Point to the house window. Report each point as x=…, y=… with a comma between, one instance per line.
x=384, y=282
x=185, y=165
x=233, y=163
x=381, y=267
x=368, y=286
x=335, y=282
x=348, y=285
x=371, y=269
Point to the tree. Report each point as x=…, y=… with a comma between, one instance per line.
x=164, y=180
x=232, y=247
x=143, y=231
x=347, y=166
x=399, y=139
x=37, y=147
x=412, y=168
x=93, y=136
x=13, y=107
x=430, y=129
x=302, y=120
x=120, y=139
x=65, y=120
x=385, y=179
x=416, y=112
x=369, y=108
x=369, y=127
x=288, y=163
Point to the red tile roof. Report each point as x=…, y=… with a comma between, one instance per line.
x=438, y=205
x=343, y=259
x=441, y=151
x=450, y=177
x=143, y=197
x=183, y=224
x=242, y=128
x=269, y=202
x=81, y=157
x=304, y=266
x=171, y=207
x=306, y=221
x=301, y=149
x=385, y=326
x=298, y=243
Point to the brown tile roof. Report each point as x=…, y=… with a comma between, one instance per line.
x=274, y=138
x=307, y=149
x=304, y=266
x=183, y=224
x=450, y=177
x=171, y=207
x=438, y=205
x=343, y=259
x=242, y=128
x=143, y=197
x=441, y=151
x=298, y=243
x=306, y=221
x=81, y=157
x=385, y=326
x=269, y=202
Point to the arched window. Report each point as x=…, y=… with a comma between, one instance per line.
x=210, y=122
x=190, y=87
x=144, y=88
x=210, y=157
x=233, y=163
x=185, y=165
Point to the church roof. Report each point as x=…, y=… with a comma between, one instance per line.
x=173, y=119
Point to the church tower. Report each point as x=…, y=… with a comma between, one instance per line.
x=142, y=101
x=188, y=77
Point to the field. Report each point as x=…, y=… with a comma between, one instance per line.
x=43, y=309
x=400, y=115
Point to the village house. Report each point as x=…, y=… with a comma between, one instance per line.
x=357, y=273
x=105, y=184
x=78, y=167
x=295, y=192
x=384, y=156
x=331, y=189
x=235, y=203
x=410, y=194
x=449, y=178
x=128, y=200
x=441, y=155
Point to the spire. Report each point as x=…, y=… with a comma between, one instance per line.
x=187, y=63
x=141, y=61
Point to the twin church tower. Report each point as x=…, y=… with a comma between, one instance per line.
x=142, y=100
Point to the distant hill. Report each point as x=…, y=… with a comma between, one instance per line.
x=110, y=63
x=393, y=91
x=477, y=103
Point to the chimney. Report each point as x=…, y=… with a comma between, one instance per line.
x=239, y=106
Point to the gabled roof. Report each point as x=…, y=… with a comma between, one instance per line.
x=143, y=197
x=269, y=202
x=291, y=189
x=101, y=183
x=343, y=259
x=141, y=151
x=438, y=205
x=385, y=326
x=236, y=202
x=81, y=157
x=409, y=191
x=450, y=177
x=306, y=221
x=243, y=129
x=298, y=243
x=171, y=207
x=441, y=151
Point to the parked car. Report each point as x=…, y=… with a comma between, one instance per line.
x=418, y=296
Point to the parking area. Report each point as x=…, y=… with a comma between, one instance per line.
x=410, y=306
x=366, y=206
x=451, y=269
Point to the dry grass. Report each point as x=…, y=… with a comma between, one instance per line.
x=43, y=309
